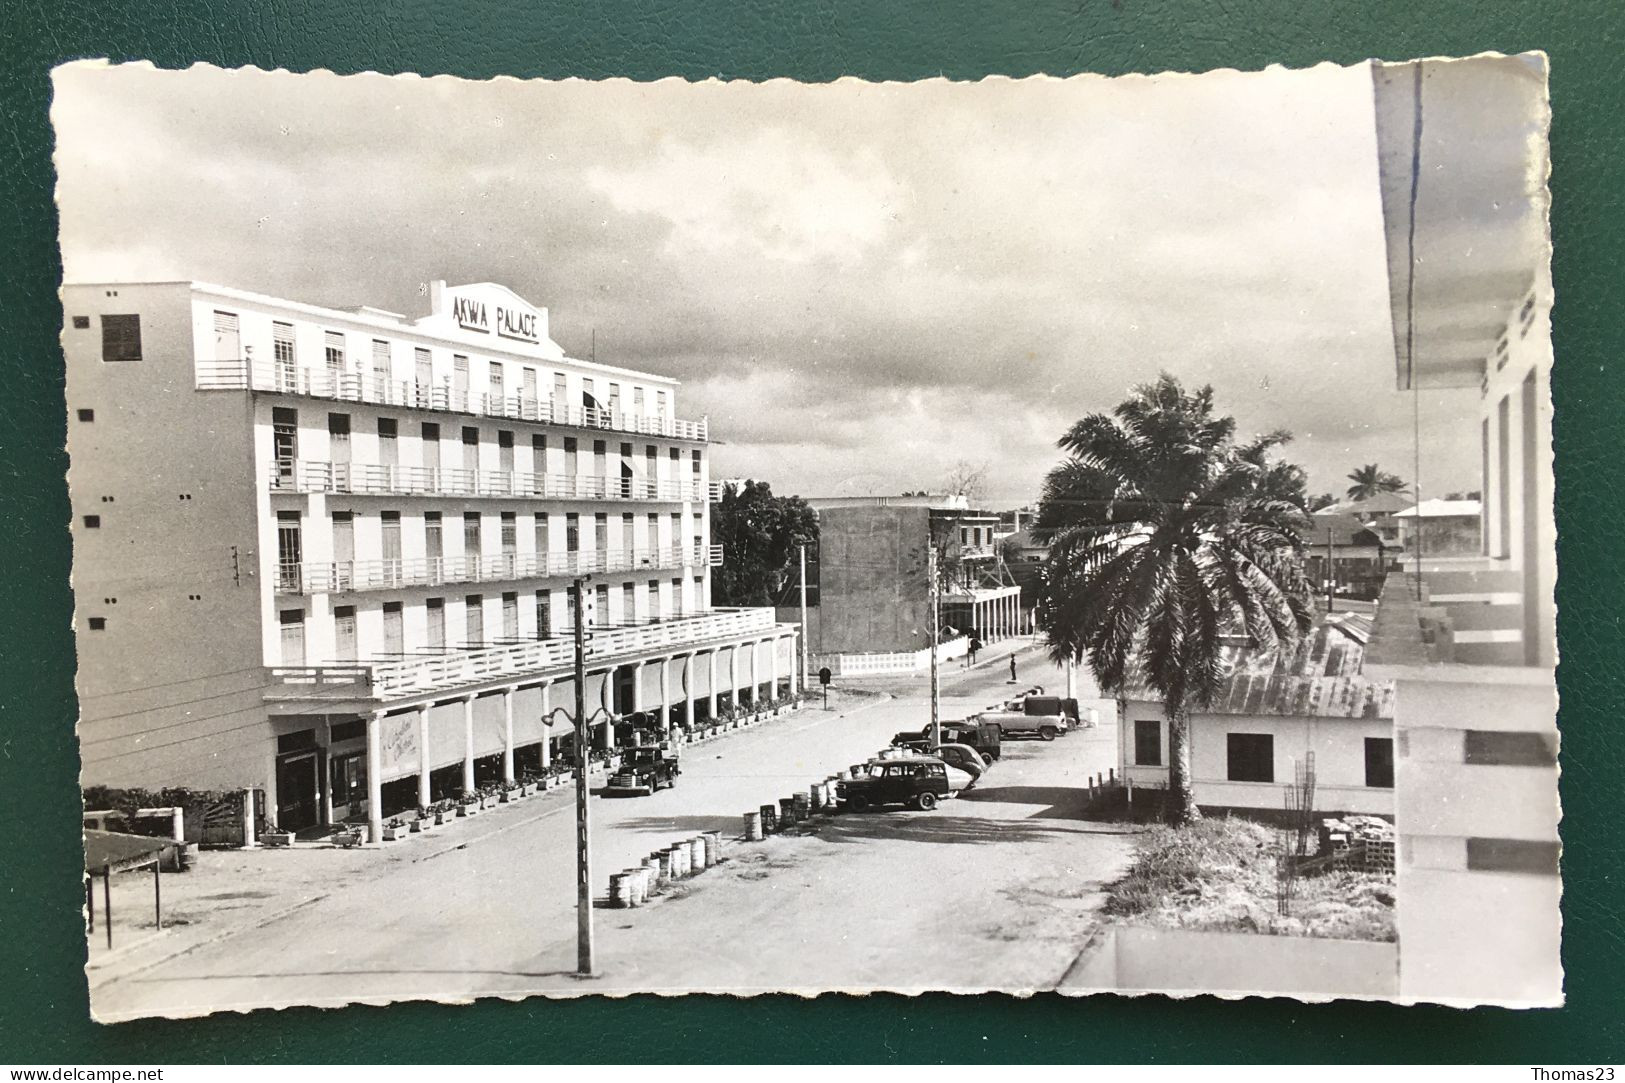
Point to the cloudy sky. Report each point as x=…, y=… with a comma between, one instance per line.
x=861, y=284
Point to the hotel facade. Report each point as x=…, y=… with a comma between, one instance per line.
x=328, y=554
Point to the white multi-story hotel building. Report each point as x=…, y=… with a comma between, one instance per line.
x=328, y=553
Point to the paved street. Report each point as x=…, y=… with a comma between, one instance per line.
x=487, y=907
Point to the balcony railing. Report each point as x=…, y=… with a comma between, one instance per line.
x=244, y=375
x=308, y=476
x=363, y=575
x=395, y=678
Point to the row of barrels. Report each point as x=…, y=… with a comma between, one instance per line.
x=633, y=887
x=688, y=857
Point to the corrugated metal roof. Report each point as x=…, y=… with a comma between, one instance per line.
x=1320, y=678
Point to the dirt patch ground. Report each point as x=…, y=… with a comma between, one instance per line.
x=1220, y=875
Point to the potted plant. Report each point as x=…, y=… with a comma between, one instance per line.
x=420, y=822
x=468, y=804
x=276, y=838
x=394, y=829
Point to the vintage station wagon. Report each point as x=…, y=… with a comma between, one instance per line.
x=916, y=781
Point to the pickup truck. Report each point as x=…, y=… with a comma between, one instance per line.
x=644, y=770
x=983, y=738
x=1014, y=724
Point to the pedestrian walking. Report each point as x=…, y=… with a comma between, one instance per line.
x=1012, y=669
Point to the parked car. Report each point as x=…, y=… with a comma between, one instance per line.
x=917, y=781
x=1014, y=724
x=643, y=770
x=981, y=736
x=1063, y=708
x=915, y=740
x=962, y=758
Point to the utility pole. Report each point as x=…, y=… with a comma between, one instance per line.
x=584, y=960
x=1331, y=576
x=931, y=565
x=802, y=548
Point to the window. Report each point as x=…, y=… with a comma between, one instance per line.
x=431, y=446
x=93, y=522
x=637, y=401
x=471, y=536
x=471, y=448
x=528, y=387
x=1512, y=748
x=121, y=339
x=614, y=398
x=505, y=452
x=435, y=611
x=434, y=545
x=388, y=444
x=81, y=323
x=1379, y=762
x=422, y=367
x=629, y=603
x=600, y=532
x=292, y=623
x=344, y=644
x=510, y=533
x=338, y=437
x=1513, y=855
x=380, y=359
x=99, y=624
x=334, y=348
x=282, y=343
x=459, y=375
x=389, y=526
x=1251, y=757
x=1148, y=742
x=87, y=415
x=510, y=615
x=572, y=533
x=570, y=456
x=560, y=397
x=676, y=597
x=542, y=540
x=474, y=620
x=544, y=614
x=660, y=406
x=696, y=458
x=343, y=542
x=498, y=390
x=284, y=439
x=289, y=550
x=228, y=339
x=601, y=605
x=654, y=600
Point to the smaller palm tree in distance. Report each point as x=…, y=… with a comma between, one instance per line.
x=1369, y=481
x=1166, y=537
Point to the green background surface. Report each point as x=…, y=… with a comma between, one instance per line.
x=43, y=1016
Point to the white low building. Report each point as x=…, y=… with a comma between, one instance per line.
x=328, y=553
x=1268, y=718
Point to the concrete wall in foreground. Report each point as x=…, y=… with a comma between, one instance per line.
x=1138, y=958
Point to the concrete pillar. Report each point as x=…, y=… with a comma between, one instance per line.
x=733, y=673
x=468, y=744
x=271, y=804
x=711, y=693
x=249, y=836
x=547, y=729
x=375, y=781
x=665, y=696
x=424, y=799
x=507, y=736
x=690, y=687
x=324, y=784
x=637, y=686
x=772, y=665
x=756, y=672
x=795, y=662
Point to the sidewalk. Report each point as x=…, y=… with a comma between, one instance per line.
x=229, y=892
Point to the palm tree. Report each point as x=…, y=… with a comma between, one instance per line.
x=1165, y=536
x=1370, y=481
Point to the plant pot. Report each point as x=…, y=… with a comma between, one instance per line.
x=392, y=833
x=464, y=810
x=277, y=838
x=415, y=827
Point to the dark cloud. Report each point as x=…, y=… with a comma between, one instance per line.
x=860, y=284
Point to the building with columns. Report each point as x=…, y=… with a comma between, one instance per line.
x=327, y=553
x=869, y=588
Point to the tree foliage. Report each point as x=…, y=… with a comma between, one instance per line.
x=1166, y=535
x=759, y=533
x=1370, y=480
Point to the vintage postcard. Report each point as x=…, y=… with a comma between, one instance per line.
x=565, y=538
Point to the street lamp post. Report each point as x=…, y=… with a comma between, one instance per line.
x=931, y=564
x=584, y=959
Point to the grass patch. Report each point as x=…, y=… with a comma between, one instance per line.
x=1220, y=875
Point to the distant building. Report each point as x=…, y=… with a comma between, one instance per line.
x=1439, y=529
x=1270, y=714
x=868, y=584
x=1375, y=513
x=1345, y=556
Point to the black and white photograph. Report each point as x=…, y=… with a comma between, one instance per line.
x=1083, y=535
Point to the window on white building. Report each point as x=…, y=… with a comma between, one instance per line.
x=292, y=623
x=381, y=361
x=544, y=615
x=1148, y=742
x=282, y=343
x=422, y=367
x=1379, y=762
x=510, y=615
x=1250, y=757
x=394, y=630
x=474, y=620
x=333, y=347
x=435, y=631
